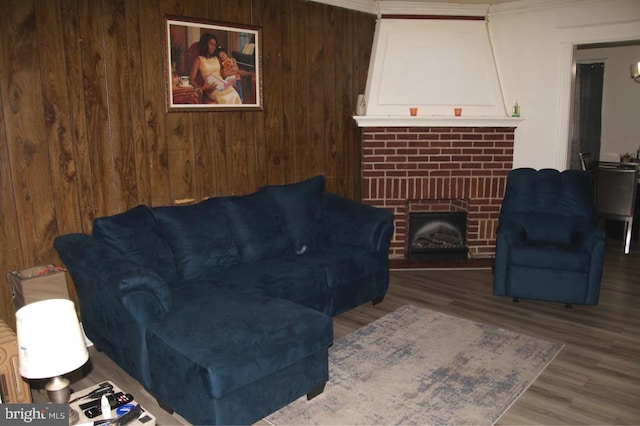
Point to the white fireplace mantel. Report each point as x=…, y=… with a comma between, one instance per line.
x=435, y=121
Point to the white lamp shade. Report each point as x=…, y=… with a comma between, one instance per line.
x=50, y=341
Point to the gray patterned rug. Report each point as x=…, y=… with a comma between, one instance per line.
x=415, y=366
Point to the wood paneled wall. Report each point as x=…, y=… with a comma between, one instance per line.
x=83, y=127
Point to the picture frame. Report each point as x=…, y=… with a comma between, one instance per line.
x=211, y=65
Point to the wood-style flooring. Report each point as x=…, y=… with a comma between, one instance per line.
x=595, y=379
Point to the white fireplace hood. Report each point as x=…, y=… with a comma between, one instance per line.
x=435, y=65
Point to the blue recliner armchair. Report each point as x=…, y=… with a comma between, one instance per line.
x=548, y=244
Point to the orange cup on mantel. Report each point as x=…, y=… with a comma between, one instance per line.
x=413, y=111
x=457, y=112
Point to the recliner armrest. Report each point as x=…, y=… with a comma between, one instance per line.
x=587, y=237
x=351, y=223
x=511, y=230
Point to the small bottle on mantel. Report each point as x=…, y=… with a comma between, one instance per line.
x=515, y=111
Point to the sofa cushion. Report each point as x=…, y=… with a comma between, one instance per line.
x=256, y=225
x=247, y=339
x=199, y=238
x=301, y=206
x=342, y=265
x=285, y=279
x=134, y=234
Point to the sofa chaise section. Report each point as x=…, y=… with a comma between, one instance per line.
x=235, y=357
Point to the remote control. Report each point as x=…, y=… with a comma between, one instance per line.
x=115, y=401
x=96, y=402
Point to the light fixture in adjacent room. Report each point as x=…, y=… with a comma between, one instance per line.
x=635, y=71
x=50, y=344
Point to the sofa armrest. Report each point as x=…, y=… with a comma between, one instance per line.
x=351, y=223
x=118, y=299
x=96, y=266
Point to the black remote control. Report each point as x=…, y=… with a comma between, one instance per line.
x=96, y=402
x=115, y=401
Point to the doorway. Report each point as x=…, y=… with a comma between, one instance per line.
x=618, y=128
x=587, y=112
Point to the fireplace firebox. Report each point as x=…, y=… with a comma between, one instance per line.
x=437, y=236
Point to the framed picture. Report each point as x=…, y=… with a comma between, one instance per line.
x=212, y=66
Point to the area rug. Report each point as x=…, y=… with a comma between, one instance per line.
x=416, y=366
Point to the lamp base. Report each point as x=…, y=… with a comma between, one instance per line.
x=58, y=390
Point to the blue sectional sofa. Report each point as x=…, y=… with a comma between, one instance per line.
x=222, y=309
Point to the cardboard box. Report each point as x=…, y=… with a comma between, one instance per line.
x=37, y=283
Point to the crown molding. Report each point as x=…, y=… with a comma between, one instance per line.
x=375, y=7
x=523, y=6
x=367, y=6
x=386, y=7
x=431, y=8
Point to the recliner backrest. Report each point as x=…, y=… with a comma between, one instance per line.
x=549, y=191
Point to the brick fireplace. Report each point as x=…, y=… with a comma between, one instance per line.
x=411, y=169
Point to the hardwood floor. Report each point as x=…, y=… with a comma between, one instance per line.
x=595, y=379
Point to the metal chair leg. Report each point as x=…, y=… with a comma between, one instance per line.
x=627, y=238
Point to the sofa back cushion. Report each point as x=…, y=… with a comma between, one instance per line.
x=134, y=235
x=199, y=238
x=256, y=225
x=301, y=207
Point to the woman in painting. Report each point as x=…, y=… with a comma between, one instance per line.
x=208, y=67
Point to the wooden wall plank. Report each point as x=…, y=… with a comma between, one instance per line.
x=135, y=106
x=83, y=179
x=120, y=123
x=57, y=117
x=96, y=111
x=300, y=84
x=152, y=42
x=277, y=92
x=332, y=90
x=179, y=125
x=26, y=137
x=291, y=96
x=11, y=255
x=318, y=91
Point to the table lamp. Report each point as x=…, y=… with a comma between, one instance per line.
x=50, y=344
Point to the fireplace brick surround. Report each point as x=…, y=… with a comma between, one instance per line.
x=408, y=169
